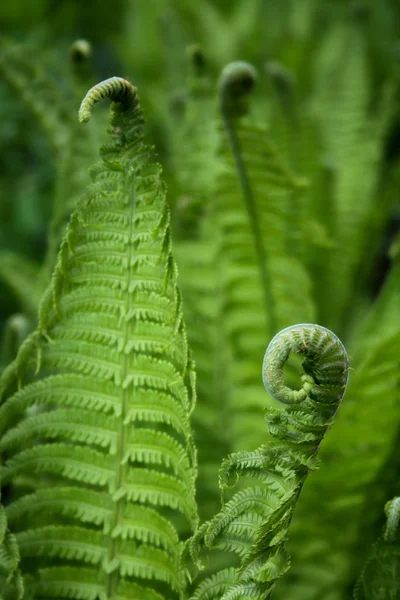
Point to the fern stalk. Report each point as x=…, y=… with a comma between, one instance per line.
x=237, y=80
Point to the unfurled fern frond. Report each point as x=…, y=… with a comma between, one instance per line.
x=380, y=577
x=253, y=524
x=100, y=416
x=352, y=131
x=264, y=286
x=295, y=130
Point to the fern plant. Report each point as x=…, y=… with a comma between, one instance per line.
x=106, y=385
x=282, y=181
x=99, y=463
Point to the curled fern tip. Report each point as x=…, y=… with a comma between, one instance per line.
x=236, y=82
x=325, y=364
x=117, y=89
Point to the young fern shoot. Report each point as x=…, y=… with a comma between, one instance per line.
x=254, y=522
x=96, y=440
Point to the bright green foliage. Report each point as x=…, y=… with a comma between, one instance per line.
x=116, y=389
x=277, y=126
x=254, y=523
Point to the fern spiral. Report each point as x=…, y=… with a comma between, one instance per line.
x=97, y=446
x=117, y=89
x=326, y=363
x=254, y=522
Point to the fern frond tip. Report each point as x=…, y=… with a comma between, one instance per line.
x=236, y=82
x=325, y=364
x=81, y=51
x=117, y=89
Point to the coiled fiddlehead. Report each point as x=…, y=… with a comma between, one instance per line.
x=325, y=365
x=255, y=522
x=116, y=89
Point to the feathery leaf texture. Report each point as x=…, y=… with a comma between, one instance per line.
x=254, y=523
x=102, y=426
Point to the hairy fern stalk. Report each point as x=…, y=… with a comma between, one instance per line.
x=99, y=463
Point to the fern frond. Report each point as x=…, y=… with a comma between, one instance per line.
x=109, y=416
x=352, y=483
x=353, y=134
x=254, y=523
x=264, y=288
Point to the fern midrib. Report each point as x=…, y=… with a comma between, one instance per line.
x=113, y=578
x=254, y=223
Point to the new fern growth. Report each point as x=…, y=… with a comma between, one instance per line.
x=98, y=458
x=253, y=524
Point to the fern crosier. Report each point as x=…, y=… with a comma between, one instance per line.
x=254, y=522
x=97, y=444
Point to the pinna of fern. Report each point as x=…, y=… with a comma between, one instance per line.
x=253, y=524
x=98, y=457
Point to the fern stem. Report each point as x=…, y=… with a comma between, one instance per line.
x=236, y=81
